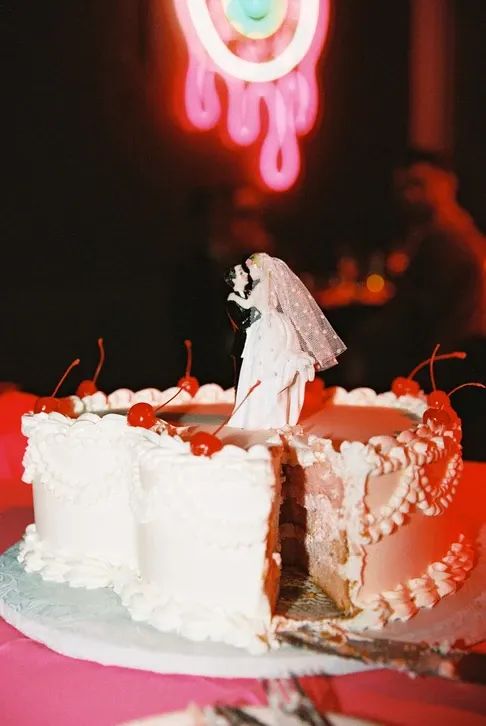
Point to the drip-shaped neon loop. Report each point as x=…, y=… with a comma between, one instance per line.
x=203, y=106
x=286, y=83
x=280, y=155
x=244, y=123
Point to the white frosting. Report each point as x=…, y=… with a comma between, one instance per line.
x=80, y=460
x=81, y=470
x=368, y=397
x=308, y=450
x=58, y=565
x=203, y=528
x=197, y=620
x=123, y=398
x=356, y=472
x=410, y=455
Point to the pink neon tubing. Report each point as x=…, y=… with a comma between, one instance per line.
x=292, y=103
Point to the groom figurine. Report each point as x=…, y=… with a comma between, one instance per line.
x=239, y=280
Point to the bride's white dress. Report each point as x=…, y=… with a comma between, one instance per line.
x=272, y=355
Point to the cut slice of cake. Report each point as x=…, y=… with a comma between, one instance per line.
x=207, y=531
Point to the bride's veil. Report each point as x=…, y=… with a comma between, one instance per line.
x=291, y=297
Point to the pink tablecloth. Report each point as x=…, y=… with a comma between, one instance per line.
x=41, y=688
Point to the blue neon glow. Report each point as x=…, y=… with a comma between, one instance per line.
x=255, y=17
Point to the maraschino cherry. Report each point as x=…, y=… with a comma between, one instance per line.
x=89, y=387
x=188, y=383
x=440, y=412
x=66, y=407
x=204, y=443
x=402, y=386
x=49, y=404
x=438, y=417
x=442, y=400
x=144, y=415
x=438, y=399
x=405, y=386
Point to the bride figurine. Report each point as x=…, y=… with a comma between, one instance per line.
x=284, y=346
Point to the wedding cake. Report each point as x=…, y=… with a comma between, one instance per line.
x=193, y=527
x=363, y=495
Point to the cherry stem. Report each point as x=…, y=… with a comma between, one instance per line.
x=445, y=356
x=168, y=401
x=466, y=385
x=100, y=361
x=66, y=373
x=431, y=367
x=188, y=345
x=255, y=385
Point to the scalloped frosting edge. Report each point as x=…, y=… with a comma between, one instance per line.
x=123, y=398
x=55, y=566
x=440, y=579
x=115, y=429
x=195, y=621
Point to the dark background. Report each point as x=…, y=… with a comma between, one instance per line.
x=107, y=198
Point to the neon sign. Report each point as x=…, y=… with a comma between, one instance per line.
x=266, y=51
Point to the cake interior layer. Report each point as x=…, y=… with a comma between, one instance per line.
x=312, y=540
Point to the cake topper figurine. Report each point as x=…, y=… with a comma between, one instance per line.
x=287, y=338
x=240, y=317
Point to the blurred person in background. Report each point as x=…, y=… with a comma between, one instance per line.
x=440, y=286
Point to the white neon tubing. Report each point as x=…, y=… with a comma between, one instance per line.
x=250, y=71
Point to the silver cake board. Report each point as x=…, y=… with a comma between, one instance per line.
x=93, y=625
